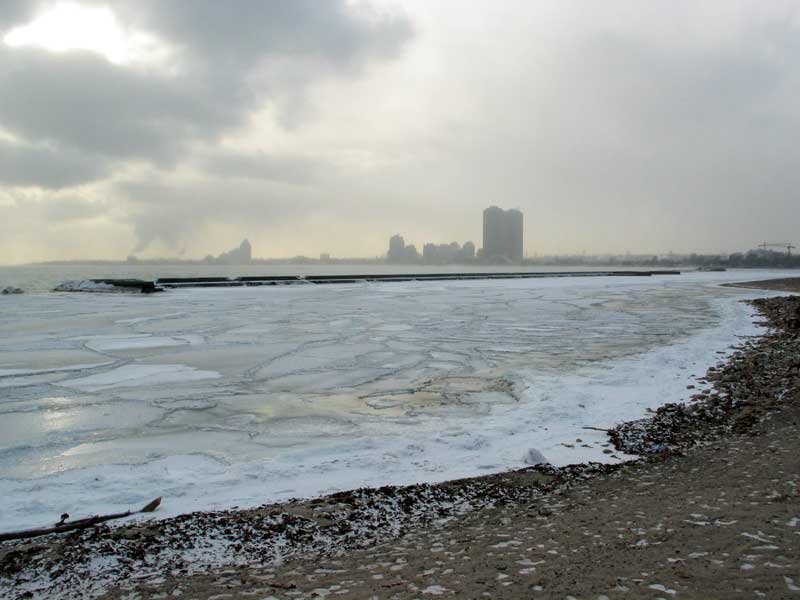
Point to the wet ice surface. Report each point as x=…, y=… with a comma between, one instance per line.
x=236, y=397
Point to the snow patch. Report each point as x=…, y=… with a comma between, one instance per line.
x=534, y=457
x=86, y=285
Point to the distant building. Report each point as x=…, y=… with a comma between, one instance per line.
x=428, y=253
x=446, y=254
x=468, y=251
x=493, y=228
x=411, y=255
x=397, y=249
x=432, y=254
x=502, y=235
x=401, y=254
x=515, y=233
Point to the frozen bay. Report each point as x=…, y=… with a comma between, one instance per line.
x=237, y=397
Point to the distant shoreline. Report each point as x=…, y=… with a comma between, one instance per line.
x=307, y=261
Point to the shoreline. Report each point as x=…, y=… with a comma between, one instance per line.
x=348, y=521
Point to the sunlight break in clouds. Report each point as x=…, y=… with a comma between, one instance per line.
x=71, y=26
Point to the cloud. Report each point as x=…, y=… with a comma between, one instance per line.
x=170, y=213
x=15, y=11
x=74, y=117
x=24, y=164
x=36, y=225
x=207, y=32
x=229, y=61
x=80, y=101
x=274, y=167
x=72, y=209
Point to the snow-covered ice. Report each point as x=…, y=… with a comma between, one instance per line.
x=241, y=396
x=85, y=285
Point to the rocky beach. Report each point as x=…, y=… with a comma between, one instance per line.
x=711, y=509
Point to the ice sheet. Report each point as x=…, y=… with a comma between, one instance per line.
x=216, y=398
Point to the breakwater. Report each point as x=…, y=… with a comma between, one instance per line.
x=160, y=284
x=181, y=282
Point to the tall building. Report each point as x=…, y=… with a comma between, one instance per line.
x=400, y=253
x=502, y=234
x=397, y=248
x=514, y=233
x=468, y=251
x=493, y=218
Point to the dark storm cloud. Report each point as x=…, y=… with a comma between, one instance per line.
x=210, y=32
x=24, y=164
x=81, y=101
x=231, y=59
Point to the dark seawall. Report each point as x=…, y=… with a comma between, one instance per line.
x=182, y=282
x=158, y=285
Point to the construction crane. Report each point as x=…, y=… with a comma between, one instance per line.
x=789, y=247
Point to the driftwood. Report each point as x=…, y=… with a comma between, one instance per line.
x=596, y=428
x=63, y=527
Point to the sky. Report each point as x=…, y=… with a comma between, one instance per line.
x=180, y=127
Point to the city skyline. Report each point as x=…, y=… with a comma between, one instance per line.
x=503, y=233
x=764, y=255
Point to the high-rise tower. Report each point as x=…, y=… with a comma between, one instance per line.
x=493, y=232
x=514, y=240
x=502, y=234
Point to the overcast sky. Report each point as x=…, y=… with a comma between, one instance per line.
x=179, y=127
